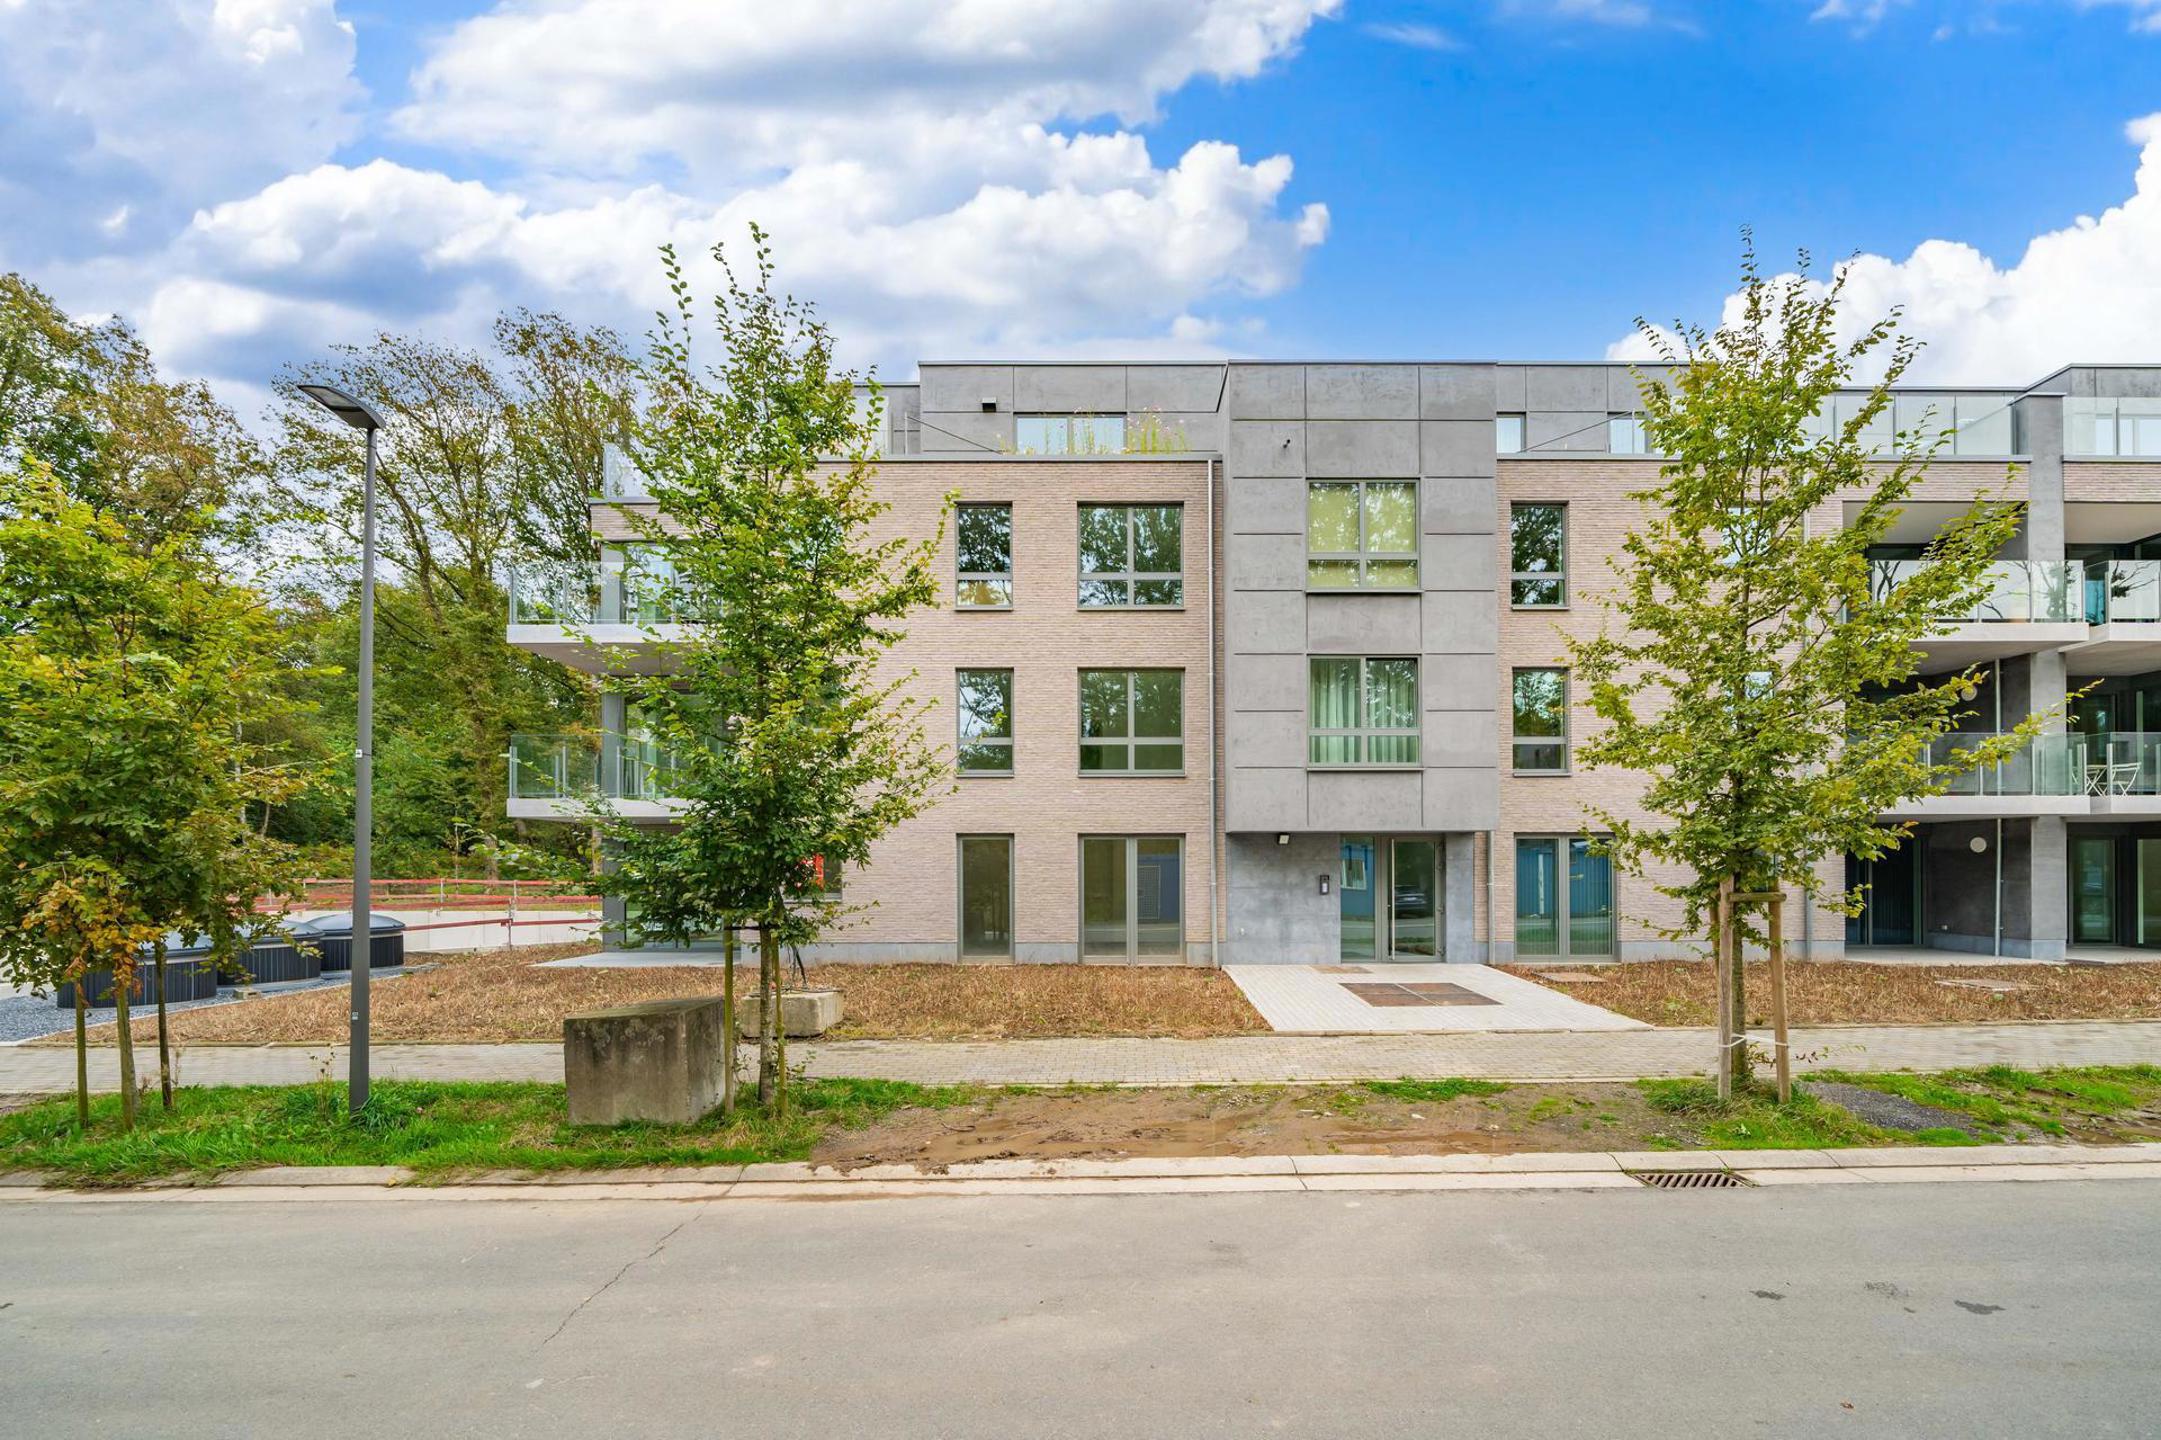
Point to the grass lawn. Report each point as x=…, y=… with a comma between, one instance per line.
x=503, y=995
x=1682, y=992
x=442, y=1130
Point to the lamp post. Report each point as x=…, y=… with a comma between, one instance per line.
x=356, y=413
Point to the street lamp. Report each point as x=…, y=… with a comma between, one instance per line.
x=356, y=413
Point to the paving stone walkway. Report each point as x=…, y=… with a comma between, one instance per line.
x=1233, y=1060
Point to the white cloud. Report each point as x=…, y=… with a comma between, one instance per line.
x=1413, y=34
x=115, y=125
x=2088, y=292
x=2145, y=14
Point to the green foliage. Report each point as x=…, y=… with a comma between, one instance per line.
x=1770, y=699
x=793, y=749
x=1754, y=1120
x=2002, y=1100
x=436, y=1129
x=1433, y=1090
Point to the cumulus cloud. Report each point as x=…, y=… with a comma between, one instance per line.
x=2090, y=291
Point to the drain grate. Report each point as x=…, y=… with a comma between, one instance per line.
x=1692, y=1179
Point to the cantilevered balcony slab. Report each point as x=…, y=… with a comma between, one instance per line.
x=574, y=808
x=600, y=649
x=2119, y=647
x=1976, y=642
x=1991, y=807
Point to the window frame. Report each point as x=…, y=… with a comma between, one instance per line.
x=1130, y=852
x=963, y=578
x=1129, y=577
x=1630, y=424
x=961, y=952
x=962, y=740
x=1130, y=740
x=1564, y=916
x=1365, y=732
x=1541, y=577
x=1517, y=741
x=1069, y=419
x=1523, y=425
x=1364, y=555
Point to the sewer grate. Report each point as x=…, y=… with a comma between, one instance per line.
x=1692, y=1179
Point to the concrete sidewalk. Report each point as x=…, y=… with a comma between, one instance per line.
x=1230, y=1060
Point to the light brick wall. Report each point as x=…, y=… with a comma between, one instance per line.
x=1046, y=639
x=2111, y=480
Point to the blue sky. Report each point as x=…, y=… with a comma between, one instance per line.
x=252, y=179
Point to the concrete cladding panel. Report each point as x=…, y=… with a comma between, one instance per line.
x=1268, y=505
x=1362, y=624
x=1268, y=739
x=1508, y=389
x=1361, y=392
x=1174, y=388
x=1456, y=392
x=1367, y=800
x=1455, y=447
x=966, y=387
x=1263, y=798
x=1277, y=913
x=1265, y=622
x=1465, y=682
x=1361, y=448
x=1266, y=448
x=1265, y=682
x=1080, y=389
x=1463, y=798
x=1458, y=505
x=1564, y=387
x=1460, y=562
x=1548, y=432
x=1267, y=392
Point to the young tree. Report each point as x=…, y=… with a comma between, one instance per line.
x=131, y=682
x=793, y=749
x=1769, y=695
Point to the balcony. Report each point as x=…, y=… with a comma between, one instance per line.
x=2057, y=774
x=596, y=617
x=2112, y=428
x=2030, y=606
x=560, y=777
x=2123, y=619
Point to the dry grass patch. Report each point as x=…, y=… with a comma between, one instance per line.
x=501, y=995
x=1682, y=992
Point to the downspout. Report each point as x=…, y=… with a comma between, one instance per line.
x=1215, y=756
x=1999, y=887
x=1491, y=840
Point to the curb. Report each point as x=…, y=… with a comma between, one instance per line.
x=1593, y=1170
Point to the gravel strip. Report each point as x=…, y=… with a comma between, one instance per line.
x=1892, y=1112
x=27, y=1017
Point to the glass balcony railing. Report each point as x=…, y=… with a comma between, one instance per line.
x=570, y=767
x=2112, y=426
x=2122, y=590
x=2122, y=763
x=2020, y=591
x=614, y=592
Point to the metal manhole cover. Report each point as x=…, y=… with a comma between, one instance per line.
x=1692, y=1179
x=1425, y=993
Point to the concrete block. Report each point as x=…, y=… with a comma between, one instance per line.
x=1263, y=622
x=1624, y=393
x=1459, y=506
x=1364, y=800
x=1459, y=562
x=1264, y=800
x=1456, y=392
x=660, y=1060
x=964, y=387
x=1080, y=389
x=1362, y=449
x=1362, y=623
x=1265, y=682
x=1267, y=505
x=1564, y=387
x=1455, y=447
x=1268, y=739
x=1508, y=389
x=1361, y=392
x=1459, y=682
x=1462, y=799
x=1461, y=622
x=803, y=1013
x=1265, y=447
x=1267, y=392
x=1460, y=739
x=1265, y=562
x=1192, y=388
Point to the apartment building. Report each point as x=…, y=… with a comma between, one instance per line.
x=1262, y=662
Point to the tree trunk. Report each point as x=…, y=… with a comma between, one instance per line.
x=768, y=1010
x=165, y=1052
x=82, y=1058
x=1737, y=997
x=122, y=983
x=780, y=1034
x=727, y=1016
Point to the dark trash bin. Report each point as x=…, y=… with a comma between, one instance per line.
x=189, y=975
x=333, y=935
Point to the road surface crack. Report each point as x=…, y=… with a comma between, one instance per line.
x=628, y=1266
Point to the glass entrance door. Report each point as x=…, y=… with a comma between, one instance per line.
x=2149, y=892
x=1389, y=898
x=1356, y=913
x=1414, y=889
x=2093, y=890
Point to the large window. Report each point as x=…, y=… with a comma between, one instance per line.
x=1538, y=555
x=651, y=589
x=1540, y=734
x=1362, y=534
x=1132, y=722
x=1363, y=712
x=1563, y=911
x=2112, y=425
x=983, y=557
x=1508, y=434
x=1069, y=434
x=986, y=723
x=1624, y=436
x=1976, y=424
x=1132, y=894
x=1132, y=556
x=986, y=895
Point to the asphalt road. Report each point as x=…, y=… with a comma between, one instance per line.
x=1915, y=1310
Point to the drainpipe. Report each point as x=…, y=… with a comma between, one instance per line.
x=1999, y=886
x=1215, y=757
x=1490, y=841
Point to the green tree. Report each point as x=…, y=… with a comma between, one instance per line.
x=132, y=682
x=793, y=748
x=1769, y=695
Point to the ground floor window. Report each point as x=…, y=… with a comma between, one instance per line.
x=1132, y=895
x=986, y=895
x=1564, y=898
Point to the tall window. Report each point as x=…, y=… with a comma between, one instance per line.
x=986, y=895
x=1363, y=712
x=1362, y=534
x=1624, y=436
x=983, y=557
x=1132, y=722
x=1540, y=735
x=1069, y=434
x=1538, y=555
x=1564, y=897
x=986, y=723
x=1132, y=556
x=1132, y=894
x=1508, y=434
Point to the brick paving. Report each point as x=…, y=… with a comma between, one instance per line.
x=1231, y=1060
